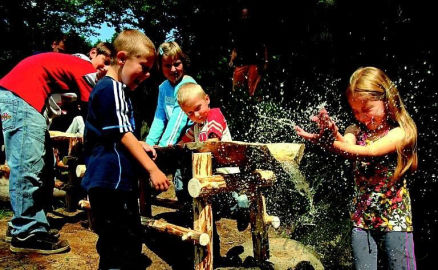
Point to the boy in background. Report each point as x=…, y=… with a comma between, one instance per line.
x=209, y=123
x=113, y=155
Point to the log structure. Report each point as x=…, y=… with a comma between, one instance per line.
x=258, y=166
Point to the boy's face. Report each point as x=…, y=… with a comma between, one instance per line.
x=173, y=68
x=100, y=62
x=197, y=108
x=58, y=46
x=135, y=70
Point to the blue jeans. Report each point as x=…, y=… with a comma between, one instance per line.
x=383, y=250
x=25, y=134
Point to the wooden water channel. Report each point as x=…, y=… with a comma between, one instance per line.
x=257, y=163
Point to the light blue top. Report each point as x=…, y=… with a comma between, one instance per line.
x=169, y=121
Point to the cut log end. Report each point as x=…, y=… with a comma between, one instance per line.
x=194, y=186
x=275, y=222
x=204, y=239
x=80, y=171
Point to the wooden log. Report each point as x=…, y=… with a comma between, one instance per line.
x=172, y=203
x=206, y=186
x=237, y=153
x=63, y=136
x=4, y=190
x=209, y=185
x=202, y=213
x=80, y=170
x=274, y=221
x=73, y=140
x=186, y=234
x=259, y=229
x=287, y=151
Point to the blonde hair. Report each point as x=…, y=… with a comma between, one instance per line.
x=172, y=49
x=134, y=42
x=189, y=90
x=373, y=84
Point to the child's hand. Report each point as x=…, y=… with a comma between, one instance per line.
x=149, y=149
x=159, y=180
x=327, y=129
x=180, y=143
x=325, y=123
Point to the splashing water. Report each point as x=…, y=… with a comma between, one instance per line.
x=321, y=197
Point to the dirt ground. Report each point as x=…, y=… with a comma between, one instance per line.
x=160, y=251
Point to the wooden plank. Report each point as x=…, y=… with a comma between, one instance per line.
x=236, y=153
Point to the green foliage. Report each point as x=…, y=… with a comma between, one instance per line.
x=5, y=213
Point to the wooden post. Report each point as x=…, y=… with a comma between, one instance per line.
x=72, y=187
x=202, y=213
x=145, y=197
x=259, y=228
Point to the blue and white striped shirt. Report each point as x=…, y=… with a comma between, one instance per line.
x=110, y=116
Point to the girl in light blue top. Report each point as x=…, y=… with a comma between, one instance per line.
x=170, y=121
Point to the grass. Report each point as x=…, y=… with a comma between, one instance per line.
x=5, y=211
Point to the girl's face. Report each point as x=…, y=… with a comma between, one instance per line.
x=173, y=68
x=136, y=69
x=371, y=113
x=197, y=108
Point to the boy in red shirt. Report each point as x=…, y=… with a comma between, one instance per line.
x=24, y=95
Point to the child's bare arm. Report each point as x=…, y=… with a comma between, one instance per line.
x=328, y=131
x=383, y=146
x=158, y=179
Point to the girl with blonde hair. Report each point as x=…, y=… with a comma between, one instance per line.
x=383, y=146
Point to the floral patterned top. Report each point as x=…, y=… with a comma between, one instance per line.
x=378, y=205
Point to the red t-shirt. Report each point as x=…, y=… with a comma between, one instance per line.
x=36, y=77
x=214, y=124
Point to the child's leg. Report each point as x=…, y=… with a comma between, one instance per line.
x=253, y=79
x=364, y=249
x=117, y=224
x=399, y=247
x=240, y=76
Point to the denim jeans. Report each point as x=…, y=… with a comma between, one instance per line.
x=25, y=134
x=383, y=250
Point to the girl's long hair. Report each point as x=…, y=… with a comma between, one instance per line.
x=372, y=83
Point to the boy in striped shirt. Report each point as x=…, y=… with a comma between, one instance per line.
x=114, y=156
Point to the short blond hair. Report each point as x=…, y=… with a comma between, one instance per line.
x=134, y=42
x=189, y=90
